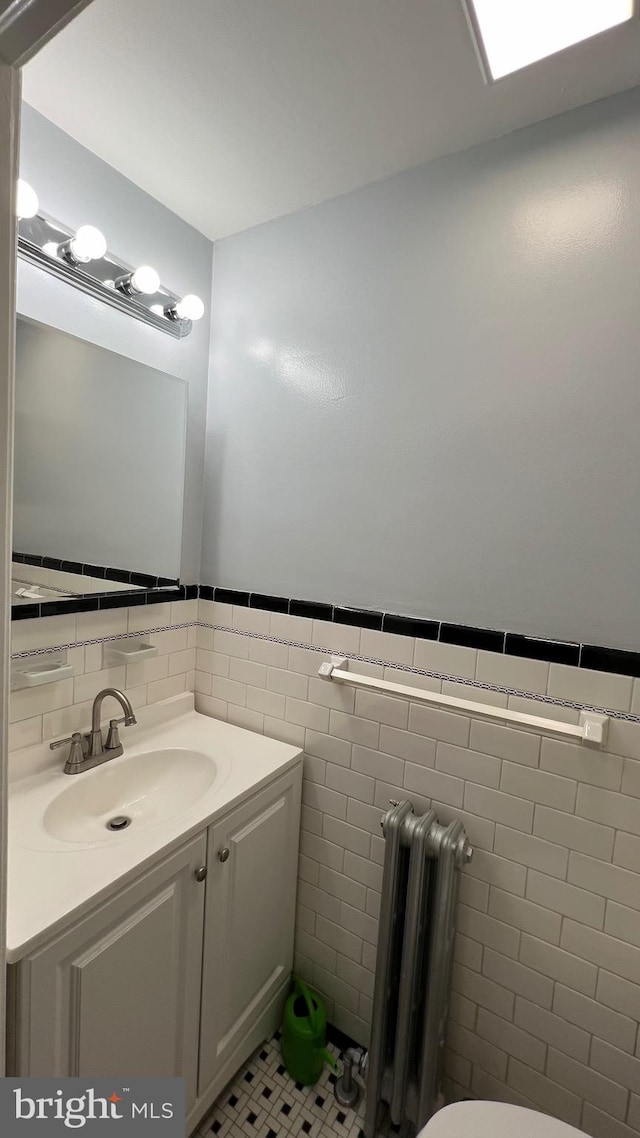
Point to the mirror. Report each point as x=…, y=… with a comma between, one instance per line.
x=99, y=469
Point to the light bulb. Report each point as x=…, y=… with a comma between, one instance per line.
x=190, y=307
x=157, y=309
x=146, y=280
x=51, y=249
x=26, y=201
x=88, y=244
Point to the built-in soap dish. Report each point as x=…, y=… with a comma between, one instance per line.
x=46, y=668
x=130, y=650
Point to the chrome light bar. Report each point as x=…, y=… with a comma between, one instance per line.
x=46, y=243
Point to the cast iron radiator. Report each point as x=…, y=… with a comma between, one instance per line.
x=413, y=969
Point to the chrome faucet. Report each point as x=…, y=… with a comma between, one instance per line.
x=95, y=739
x=90, y=750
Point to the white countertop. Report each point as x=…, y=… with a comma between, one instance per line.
x=51, y=881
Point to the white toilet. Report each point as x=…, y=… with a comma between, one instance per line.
x=481, y=1119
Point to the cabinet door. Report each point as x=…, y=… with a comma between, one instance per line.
x=249, y=919
x=119, y=993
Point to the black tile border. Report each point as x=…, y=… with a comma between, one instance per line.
x=587, y=656
x=66, y=605
x=591, y=657
x=262, y=601
x=315, y=610
x=25, y=612
x=121, y=600
x=552, y=651
x=410, y=626
x=122, y=576
x=232, y=597
x=610, y=660
x=485, y=639
x=161, y=596
x=97, y=602
x=360, y=618
x=150, y=589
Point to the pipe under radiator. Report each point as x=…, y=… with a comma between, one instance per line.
x=414, y=961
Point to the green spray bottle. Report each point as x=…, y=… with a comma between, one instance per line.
x=304, y=1035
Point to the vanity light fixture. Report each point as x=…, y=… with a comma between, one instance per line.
x=511, y=35
x=89, y=244
x=144, y=280
x=26, y=200
x=189, y=308
x=83, y=260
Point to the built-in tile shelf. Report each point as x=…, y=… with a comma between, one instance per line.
x=128, y=650
x=48, y=668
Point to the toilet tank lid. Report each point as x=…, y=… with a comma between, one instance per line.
x=495, y=1120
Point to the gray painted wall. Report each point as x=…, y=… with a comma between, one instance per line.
x=84, y=491
x=76, y=187
x=425, y=396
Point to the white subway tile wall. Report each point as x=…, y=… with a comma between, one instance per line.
x=55, y=710
x=546, y=981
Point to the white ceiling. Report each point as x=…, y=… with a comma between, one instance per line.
x=232, y=112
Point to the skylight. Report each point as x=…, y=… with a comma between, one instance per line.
x=515, y=33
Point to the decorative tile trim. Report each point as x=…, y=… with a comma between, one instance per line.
x=616, y=660
x=481, y=685
x=587, y=656
x=104, y=639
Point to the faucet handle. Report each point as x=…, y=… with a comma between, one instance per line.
x=61, y=742
x=73, y=739
x=76, y=754
x=113, y=736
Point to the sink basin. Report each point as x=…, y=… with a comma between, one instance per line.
x=126, y=795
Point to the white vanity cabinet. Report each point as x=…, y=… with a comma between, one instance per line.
x=119, y=992
x=177, y=974
x=250, y=915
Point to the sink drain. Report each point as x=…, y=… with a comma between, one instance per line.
x=120, y=822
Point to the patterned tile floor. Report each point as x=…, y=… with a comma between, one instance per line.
x=264, y=1102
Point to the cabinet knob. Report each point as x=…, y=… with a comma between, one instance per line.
x=201, y=873
x=223, y=854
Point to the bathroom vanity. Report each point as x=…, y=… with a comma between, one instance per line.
x=166, y=947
